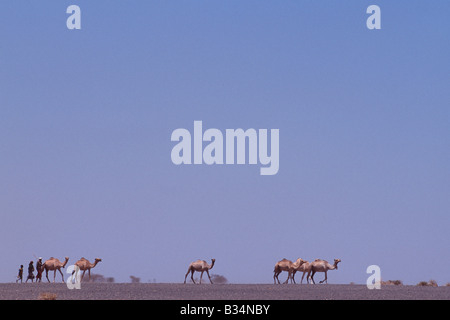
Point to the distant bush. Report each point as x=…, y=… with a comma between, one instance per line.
x=217, y=278
x=431, y=283
x=392, y=283
x=100, y=278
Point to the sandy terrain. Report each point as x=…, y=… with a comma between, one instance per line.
x=175, y=291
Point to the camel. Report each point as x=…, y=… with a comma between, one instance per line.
x=320, y=265
x=84, y=265
x=284, y=265
x=54, y=264
x=305, y=267
x=200, y=266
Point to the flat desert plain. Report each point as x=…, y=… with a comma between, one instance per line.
x=178, y=291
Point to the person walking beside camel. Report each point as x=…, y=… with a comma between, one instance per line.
x=20, y=275
x=30, y=272
x=39, y=269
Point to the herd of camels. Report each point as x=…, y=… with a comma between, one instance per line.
x=54, y=264
x=300, y=265
x=309, y=268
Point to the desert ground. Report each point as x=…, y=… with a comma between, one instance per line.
x=178, y=291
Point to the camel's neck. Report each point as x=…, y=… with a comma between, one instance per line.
x=329, y=266
x=212, y=264
x=65, y=262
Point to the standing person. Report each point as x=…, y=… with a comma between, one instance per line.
x=20, y=275
x=39, y=265
x=30, y=272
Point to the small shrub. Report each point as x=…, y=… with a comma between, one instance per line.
x=392, y=283
x=431, y=283
x=218, y=279
x=47, y=296
x=101, y=278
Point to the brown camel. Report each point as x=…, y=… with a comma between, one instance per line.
x=320, y=265
x=200, y=266
x=84, y=265
x=54, y=264
x=304, y=267
x=284, y=265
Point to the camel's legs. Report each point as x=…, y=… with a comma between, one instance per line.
x=46, y=274
x=189, y=270
x=89, y=271
x=309, y=276
x=201, y=275
x=207, y=272
x=312, y=277
x=303, y=277
x=192, y=276
x=62, y=275
x=287, y=279
x=275, y=275
x=82, y=276
x=293, y=276
x=324, y=280
x=278, y=273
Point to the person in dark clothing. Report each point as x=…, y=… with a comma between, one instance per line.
x=20, y=275
x=39, y=265
x=30, y=272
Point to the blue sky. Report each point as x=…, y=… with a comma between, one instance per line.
x=364, y=117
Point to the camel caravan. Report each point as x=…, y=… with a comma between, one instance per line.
x=309, y=268
x=54, y=264
x=300, y=265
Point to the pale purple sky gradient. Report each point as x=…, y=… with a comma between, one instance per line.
x=364, y=118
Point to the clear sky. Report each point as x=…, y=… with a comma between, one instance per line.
x=86, y=118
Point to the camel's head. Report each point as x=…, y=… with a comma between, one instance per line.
x=213, y=260
x=300, y=261
x=336, y=261
x=97, y=260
